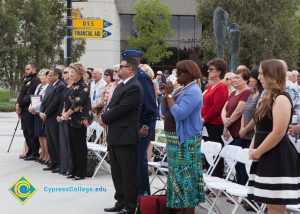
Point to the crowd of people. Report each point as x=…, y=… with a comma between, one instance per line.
x=252, y=107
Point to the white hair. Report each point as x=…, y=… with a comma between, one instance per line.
x=100, y=70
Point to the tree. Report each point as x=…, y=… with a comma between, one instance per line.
x=268, y=29
x=31, y=31
x=152, y=23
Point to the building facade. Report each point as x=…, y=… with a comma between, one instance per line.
x=105, y=52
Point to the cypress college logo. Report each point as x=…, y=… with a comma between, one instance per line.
x=22, y=189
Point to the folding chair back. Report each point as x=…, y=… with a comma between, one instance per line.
x=159, y=127
x=94, y=127
x=89, y=131
x=230, y=153
x=243, y=157
x=211, y=151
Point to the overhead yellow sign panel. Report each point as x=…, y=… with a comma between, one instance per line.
x=90, y=23
x=90, y=33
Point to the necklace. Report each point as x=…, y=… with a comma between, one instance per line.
x=183, y=88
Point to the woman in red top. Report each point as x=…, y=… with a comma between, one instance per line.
x=232, y=115
x=214, y=98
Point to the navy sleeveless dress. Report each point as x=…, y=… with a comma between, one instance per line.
x=275, y=178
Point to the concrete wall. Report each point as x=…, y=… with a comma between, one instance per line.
x=105, y=52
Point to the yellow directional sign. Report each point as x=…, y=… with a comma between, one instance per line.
x=90, y=33
x=90, y=23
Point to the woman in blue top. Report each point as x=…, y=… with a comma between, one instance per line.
x=183, y=125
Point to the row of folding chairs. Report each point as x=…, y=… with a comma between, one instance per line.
x=213, y=153
x=218, y=186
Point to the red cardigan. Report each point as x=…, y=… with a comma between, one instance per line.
x=213, y=103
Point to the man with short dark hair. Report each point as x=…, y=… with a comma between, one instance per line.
x=147, y=120
x=49, y=112
x=122, y=118
x=30, y=82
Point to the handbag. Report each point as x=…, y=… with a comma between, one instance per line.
x=92, y=162
x=152, y=204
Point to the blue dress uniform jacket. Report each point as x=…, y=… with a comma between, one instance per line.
x=148, y=112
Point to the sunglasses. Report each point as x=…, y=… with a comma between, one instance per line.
x=179, y=72
x=66, y=72
x=106, y=74
x=124, y=66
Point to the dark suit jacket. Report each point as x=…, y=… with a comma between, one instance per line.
x=50, y=104
x=123, y=114
x=28, y=88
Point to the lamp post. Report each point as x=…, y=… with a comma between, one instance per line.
x=69, y=32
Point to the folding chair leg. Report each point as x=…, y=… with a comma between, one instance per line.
x=237, y=204
x=102, y=160
x=214, y=203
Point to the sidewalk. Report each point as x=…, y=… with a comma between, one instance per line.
x=12, y=168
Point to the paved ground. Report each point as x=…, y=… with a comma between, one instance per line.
x=12, y=168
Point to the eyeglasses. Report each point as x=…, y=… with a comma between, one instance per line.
x=211, y=69
x=124, y=66
x=228, y=79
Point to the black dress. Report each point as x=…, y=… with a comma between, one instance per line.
x=275, y=178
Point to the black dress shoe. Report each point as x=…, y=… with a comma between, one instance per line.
x=124, y=211
x=31, y=158
x=56, y=170
x=78, y=178
x=71, y=176
x=23, y=156
x=50, y=168
x=113, y=209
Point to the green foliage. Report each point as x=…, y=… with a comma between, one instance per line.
x=152, y=24
x=4, y=96
x=7, y=106
x=268, y=29
x=31, y=31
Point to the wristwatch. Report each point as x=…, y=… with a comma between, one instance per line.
x=145, y=127
x=170, y=96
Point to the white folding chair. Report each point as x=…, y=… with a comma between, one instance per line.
x=157, y=144
x=229, y=153
x=160, y=147
x=100, y=151
x=241, y=191
x=94, y=127
x=211, y=152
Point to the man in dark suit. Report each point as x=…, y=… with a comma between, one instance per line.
x=30, y=82
x=122, y=118
x=49, y=111
x=147, y=121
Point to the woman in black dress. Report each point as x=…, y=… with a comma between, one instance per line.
x=275, y=171
x=78, y=108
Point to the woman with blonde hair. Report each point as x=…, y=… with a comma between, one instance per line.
x=275, y=171
x=38, y=123
x=228, y=79
x=78, y=108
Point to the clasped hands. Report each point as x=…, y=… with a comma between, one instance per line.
x=254, y=154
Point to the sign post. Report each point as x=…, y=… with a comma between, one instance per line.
x=69, y=32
